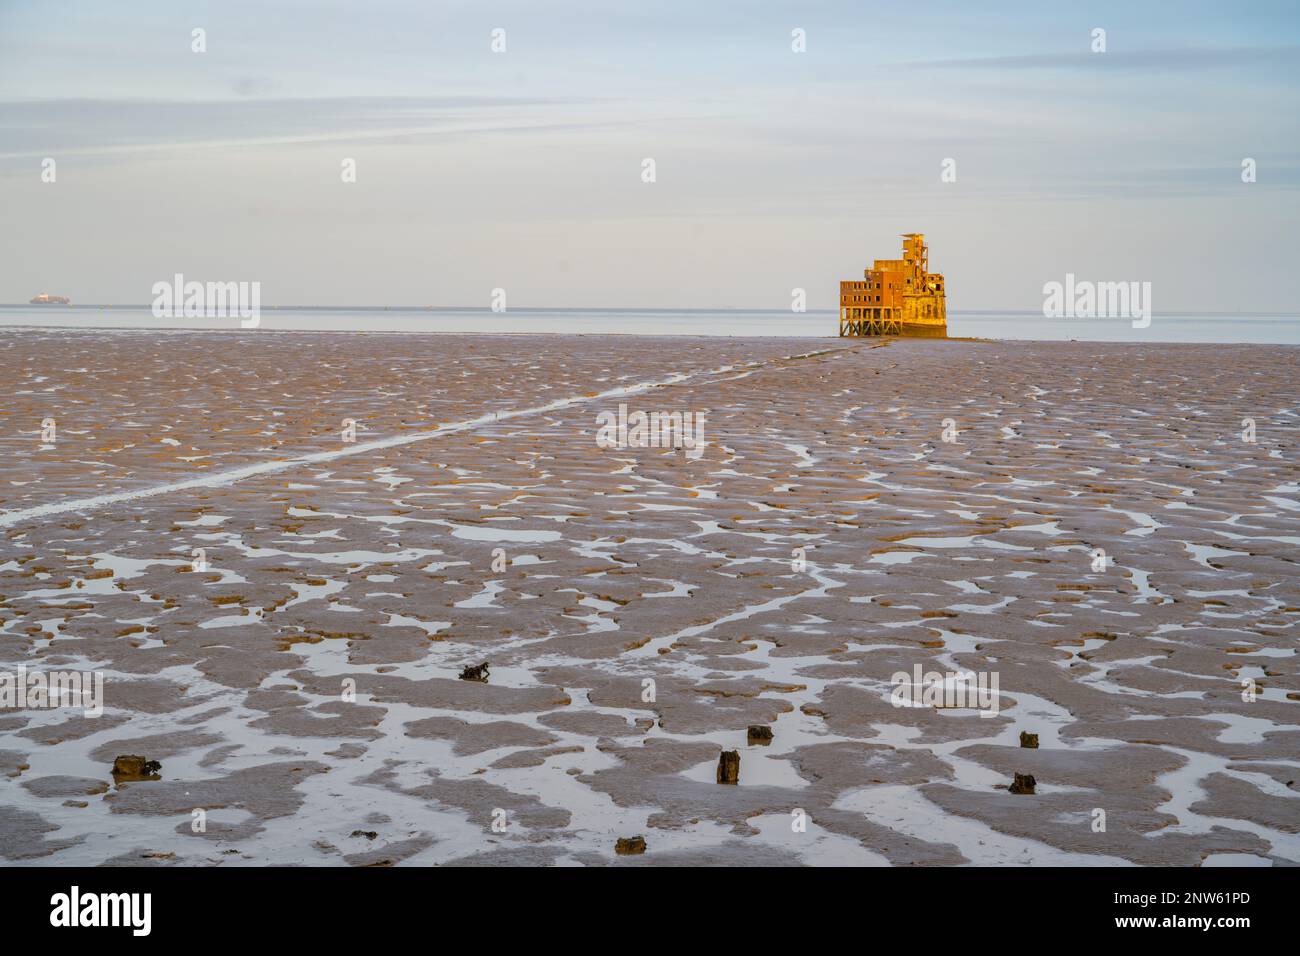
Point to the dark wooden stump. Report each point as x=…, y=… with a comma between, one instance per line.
x=729, y=766
x=478, y=672
x=629, y=846
x=1024, y=783
x=133, y=767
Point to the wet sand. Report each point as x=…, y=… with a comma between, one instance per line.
x=475, y=518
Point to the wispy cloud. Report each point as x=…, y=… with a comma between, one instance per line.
x=106, y=126
x=1181, y=59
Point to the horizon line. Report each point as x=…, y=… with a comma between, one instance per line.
x=593, y=309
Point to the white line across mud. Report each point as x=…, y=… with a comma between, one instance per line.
x=217, y=479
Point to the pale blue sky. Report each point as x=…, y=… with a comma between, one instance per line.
x=522, y=170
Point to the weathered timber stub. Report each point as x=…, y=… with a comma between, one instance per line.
x=134, y=767
x=729, y=766
x=477, y=672
x=1024, y=783
x=630, y=846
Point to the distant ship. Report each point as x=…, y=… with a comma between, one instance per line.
x=44, y=299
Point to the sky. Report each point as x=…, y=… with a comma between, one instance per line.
x=523, y=169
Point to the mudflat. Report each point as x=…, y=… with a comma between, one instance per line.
x=282, y=551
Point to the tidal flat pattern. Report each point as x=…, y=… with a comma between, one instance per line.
x=282, y=617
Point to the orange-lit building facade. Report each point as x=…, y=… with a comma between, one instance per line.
x=897, y=296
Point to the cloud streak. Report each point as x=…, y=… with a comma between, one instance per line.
x=88, y=127
x=1184, y=59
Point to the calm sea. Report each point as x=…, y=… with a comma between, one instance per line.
x=1173, y=327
